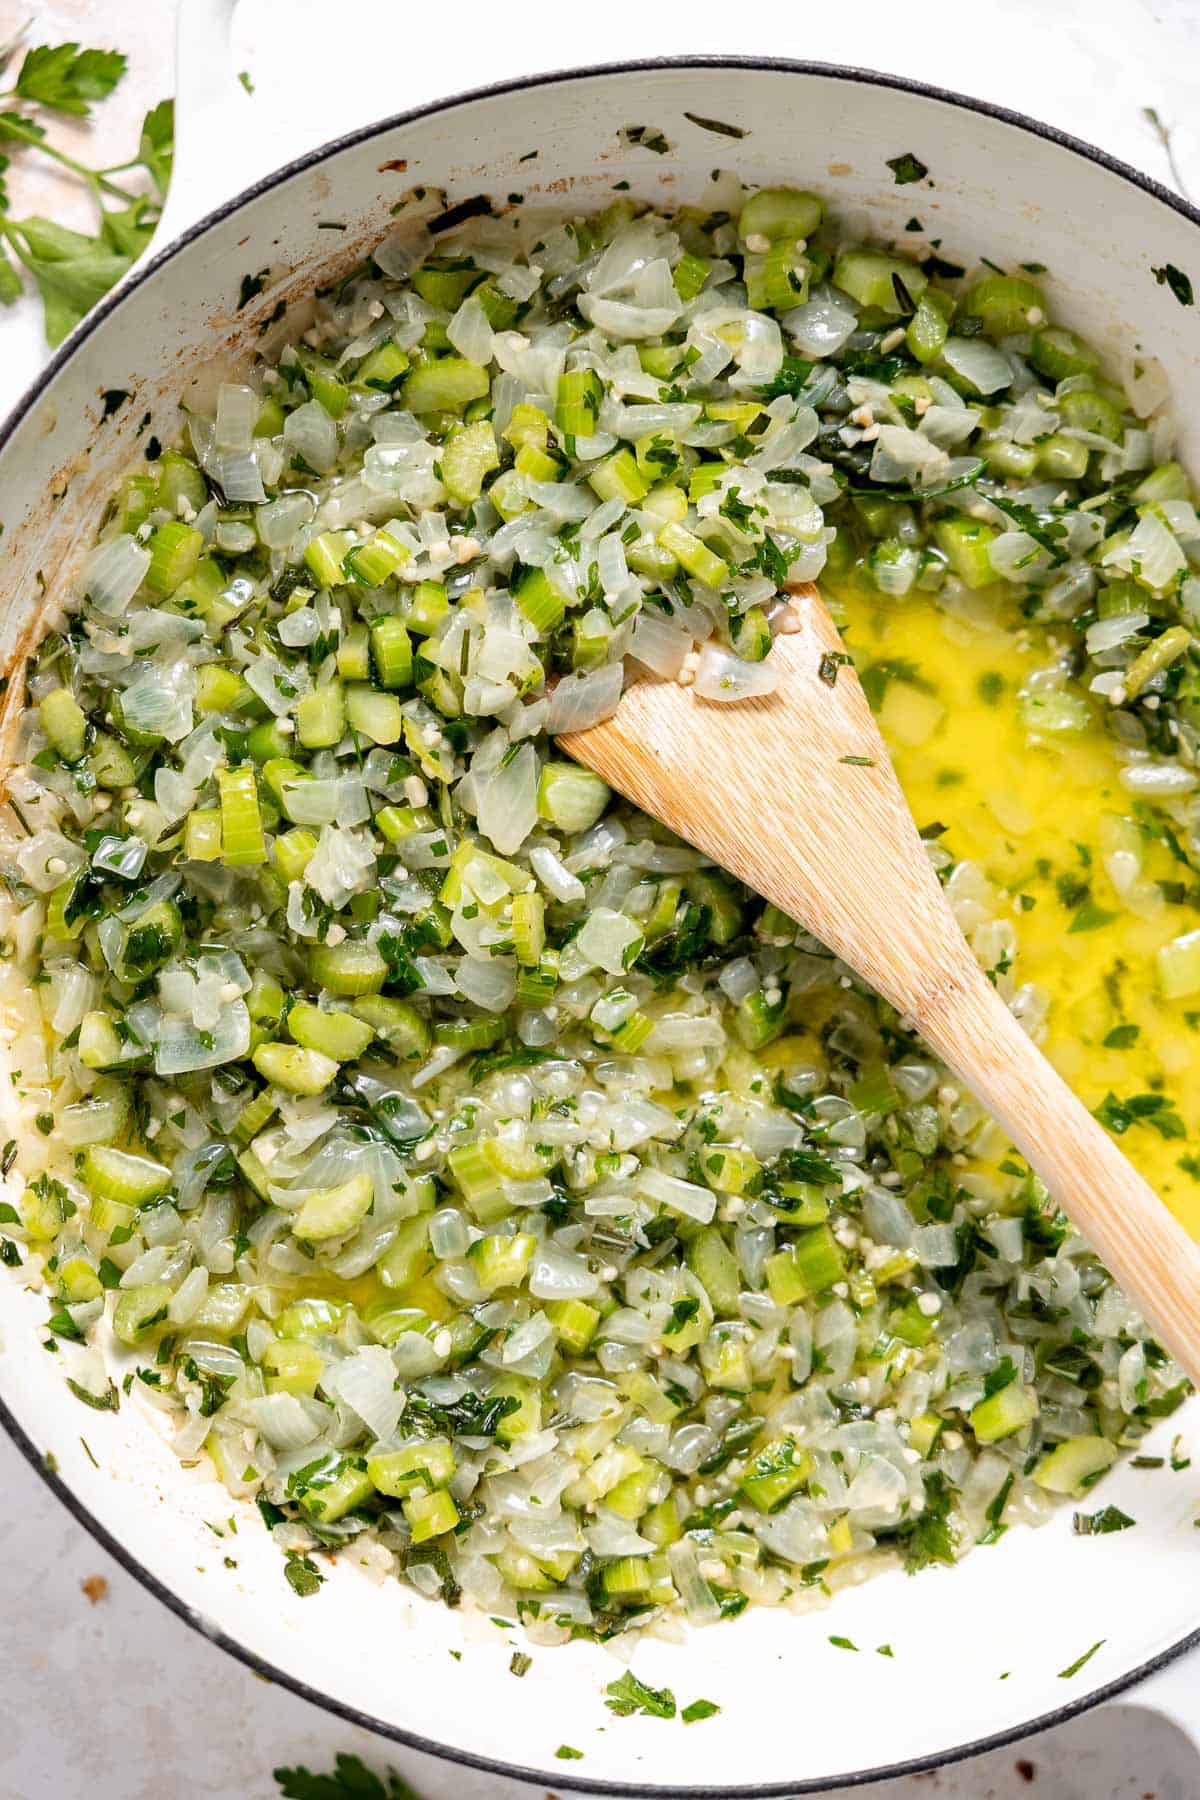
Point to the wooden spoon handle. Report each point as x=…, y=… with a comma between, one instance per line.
x=795, y=794
x=969, y=1026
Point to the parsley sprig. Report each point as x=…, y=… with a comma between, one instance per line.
x=351, y=1780
x=72, y=270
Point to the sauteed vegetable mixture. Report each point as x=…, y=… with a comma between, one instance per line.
x=492, y=1189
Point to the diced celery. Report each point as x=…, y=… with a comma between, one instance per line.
x=242, y=840
x=1006, y=304
x=348, y=969
x=965, y=544
x=325, y=556
x=332, y=1212
x=694, y=555
x=1058, y=353
x=179, y=478
x=874, y=279
x=619, y=478
x=382, y=368
x=477, y=1182
x=711, y=889
x=298, y=1070
x=391, y=650
x=429, y=1515
x=528, y=928
x=571, y=797
x=1178, y=966
x=575, y=1322
x=730, y=1170
x=408, y=1256
x=1003, y=1413
x=429, y=608
x=65, y=723
x=1062, y=458
x=293, y=851
x=468, y=455
x=776, y=1472
x=1072, y=1466
x=120, y=1175
x=321, y=716
x=469, y=1034
x=254, y=1116
x=577, y=405
x=324, y=382
x=810, y=1264
x=139, y=1309
x=370, y=564
x=528, y=425
x=526, y=1417
x=429, y=1464
x=336, y=1034
x=923, y=1433
x=1090, y=411
x=292, y=1367
x=175, y=550
x=375, y=715
x=501, y=1261
x=400, y=1025
x=444, y=384
x=929, y=327
x=541, y=603
x=715, y=1268
x=777, y=279
x=1166, y=649
x=338, y=1494
x=780, y=212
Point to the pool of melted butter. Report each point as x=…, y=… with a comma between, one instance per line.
x=1039, y=816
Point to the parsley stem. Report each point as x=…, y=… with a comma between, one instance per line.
x=26, y=134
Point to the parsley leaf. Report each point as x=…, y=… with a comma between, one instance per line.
x=1049, y=536
x=1179, y=283
x=699, y=1709
x=1098, y=1524
x=793, y=374
x=72, y=271
x=351, y=1780
x=303, y=1576
x=906, y=168
x=929, y=1537
x=1140, y=1109
x=629, y=1695
x=67, y=78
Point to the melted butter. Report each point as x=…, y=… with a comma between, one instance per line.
x=1038, y=817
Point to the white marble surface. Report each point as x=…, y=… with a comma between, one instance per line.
x=112, y=1697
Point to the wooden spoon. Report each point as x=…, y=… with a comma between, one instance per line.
x=776, y=790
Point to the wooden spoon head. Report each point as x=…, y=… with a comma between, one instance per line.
x=795, y=794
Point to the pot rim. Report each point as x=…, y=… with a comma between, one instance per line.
x=773, y=1790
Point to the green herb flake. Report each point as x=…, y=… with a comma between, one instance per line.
x=1099, y=1524
x=1179, y=283
x=629, y=1695
x=717, y=126
x=568, y=1753
x=303, y=1576
x=906, y=168
x=1074, y=1668
x=699, y=1709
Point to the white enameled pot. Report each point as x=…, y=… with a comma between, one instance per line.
x=979, y=1653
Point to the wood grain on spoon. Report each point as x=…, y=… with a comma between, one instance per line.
x=776, y=790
